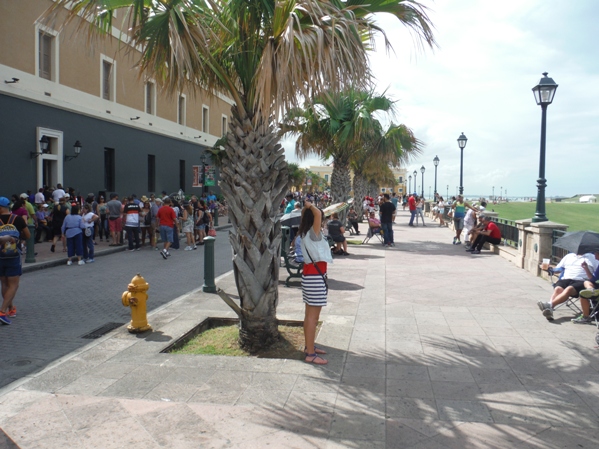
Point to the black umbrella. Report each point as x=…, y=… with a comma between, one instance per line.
x=292, y=219
x=579, y=242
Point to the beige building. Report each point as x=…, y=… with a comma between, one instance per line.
x=57, y=85
x=326, y=171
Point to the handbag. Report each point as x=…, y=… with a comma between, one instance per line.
x=88, y=232
x=211, y=232
x=326, y=285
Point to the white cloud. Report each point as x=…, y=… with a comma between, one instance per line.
x=479, y=82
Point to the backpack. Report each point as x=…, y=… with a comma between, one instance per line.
x=9, y=250
x=148, y=219
x=205, y=218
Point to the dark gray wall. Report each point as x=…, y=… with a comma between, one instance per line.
x=19, y=119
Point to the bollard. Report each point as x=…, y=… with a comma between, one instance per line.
x=209, y=285
x=215, y=218
x=30, y=256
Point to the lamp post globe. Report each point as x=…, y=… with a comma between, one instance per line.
x=436, y=162
x=544, y=93
x=422, y=169
x=462, y=141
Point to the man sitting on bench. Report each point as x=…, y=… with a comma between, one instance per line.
x=570, y=284
x=336, y=231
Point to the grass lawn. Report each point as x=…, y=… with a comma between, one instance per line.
x=580, y=217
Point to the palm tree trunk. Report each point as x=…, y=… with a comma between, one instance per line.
x=373, y=189
x=254, y=181
x=359, y=193
x=340, y=184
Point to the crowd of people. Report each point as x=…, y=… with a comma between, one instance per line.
x=73, y=223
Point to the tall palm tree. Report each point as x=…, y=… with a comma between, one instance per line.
x=265, y=55
x=392, y=147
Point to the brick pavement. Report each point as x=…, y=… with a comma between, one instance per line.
x=58, y=304
x=429, y=347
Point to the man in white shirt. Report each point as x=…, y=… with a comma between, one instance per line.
x=571, y=283
x=39, y=197
x=58, y=193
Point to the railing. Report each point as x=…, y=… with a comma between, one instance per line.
x=557, y=253
x=509, y=231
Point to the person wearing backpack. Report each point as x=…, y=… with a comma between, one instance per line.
x=203, y=221
x=12, y=229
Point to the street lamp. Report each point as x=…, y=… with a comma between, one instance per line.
x=462, y=140
x=409, y=184
x=544, y=93
x=493, y=196
x=204, y=158
x=415, y=188
x=422, y=169
x=447, y=193
x=436, y=162
x=500, y=193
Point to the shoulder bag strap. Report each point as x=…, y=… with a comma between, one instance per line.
x=326, y=285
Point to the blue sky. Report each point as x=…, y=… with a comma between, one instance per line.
x=479, y=82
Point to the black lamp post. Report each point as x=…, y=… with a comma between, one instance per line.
x=493, y=196
x=415, y=188
x=544, y=93
x=409, y=184
x=422, y=169
x=462, y=140
x=447, y=193
x=204, y=157
x=436, y=162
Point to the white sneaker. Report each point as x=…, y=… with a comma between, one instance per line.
x=188, y=248
x=69, y=263
x=81, y=262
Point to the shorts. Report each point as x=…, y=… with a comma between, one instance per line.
x=201, y=227
x=166, y=234
x=459, y=223
x=338, y=238
x=576, y=284
x=10, y=267
x=115, y=225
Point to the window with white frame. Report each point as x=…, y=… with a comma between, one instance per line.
x=182, y=110
x=47, y=61
x=205, y=116
x=108, y=78
x=150, y=88
x=224, y=127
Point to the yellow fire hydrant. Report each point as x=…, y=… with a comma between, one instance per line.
x=136, y=297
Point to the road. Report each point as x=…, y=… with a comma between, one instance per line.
x=57, y=306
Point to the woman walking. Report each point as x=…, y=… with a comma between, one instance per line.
x=419, y=207
x=88, y=223
x=317, y=254
x=59, y=212
x=71, y=229
x=188, y=226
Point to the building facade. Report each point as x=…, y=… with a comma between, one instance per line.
x=58, y=87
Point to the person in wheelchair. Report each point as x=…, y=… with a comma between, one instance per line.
x=336, y=231
x=590, y=293
x=574, y=280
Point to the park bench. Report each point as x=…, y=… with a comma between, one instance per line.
x=293, y=268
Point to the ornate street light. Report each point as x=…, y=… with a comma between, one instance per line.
x=436, y=162
x=544, y=93
x=409, y=184
x=415, y=174
x=422, y=169
x=462, y=140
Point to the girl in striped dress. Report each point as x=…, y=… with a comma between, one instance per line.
x=317, y=254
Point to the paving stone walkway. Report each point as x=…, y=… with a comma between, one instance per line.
x=428, y=347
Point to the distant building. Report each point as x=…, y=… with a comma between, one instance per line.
x=133, y=138
x=326, y=171
x=587, y=199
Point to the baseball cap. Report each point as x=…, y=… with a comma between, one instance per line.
x=44, y=205
x=4, y=202
x=24, y=195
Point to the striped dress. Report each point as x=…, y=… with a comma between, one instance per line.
x=314, y=290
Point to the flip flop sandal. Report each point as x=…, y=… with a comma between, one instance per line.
x=317, y=350
x=316, y=359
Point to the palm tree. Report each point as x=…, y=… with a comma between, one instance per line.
x=265, y=55
x=392, y=147
x=297, y=176
x=344, y=126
